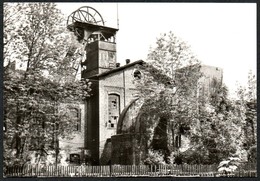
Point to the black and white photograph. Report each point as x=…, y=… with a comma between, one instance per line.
x=125, y=90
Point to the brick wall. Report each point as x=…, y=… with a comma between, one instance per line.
x=121, y=84
x=75, y=145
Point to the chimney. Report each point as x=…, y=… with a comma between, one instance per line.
x=127, y=61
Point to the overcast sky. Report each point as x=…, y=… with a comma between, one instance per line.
x=222, y=35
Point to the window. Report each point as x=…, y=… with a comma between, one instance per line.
x=137, y=74
x=178, y=141
x=75, y=115
x=111, y=55
x=75, y=158
x=113, y=110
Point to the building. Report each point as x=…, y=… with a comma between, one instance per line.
x=131, y=143
x=112, y=86
x=111, y=124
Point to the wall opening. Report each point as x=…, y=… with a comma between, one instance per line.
x=113, y=110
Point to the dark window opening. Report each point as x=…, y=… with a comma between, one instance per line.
x=159, y=141
x=75, y=115
x=75, y=158
x=137, y=74
x=178, y=141
x=113, y=110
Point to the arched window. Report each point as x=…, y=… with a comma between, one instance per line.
x=75, y=115
x=113, y=110
x=137, y=74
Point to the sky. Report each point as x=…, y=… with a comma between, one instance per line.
x=220, y=34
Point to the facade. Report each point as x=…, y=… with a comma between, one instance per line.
x=111, y=92
x=111, y=125
x=131, y=143
x=73, y=149
x=113, y=116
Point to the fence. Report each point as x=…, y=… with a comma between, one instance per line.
x=127, y=171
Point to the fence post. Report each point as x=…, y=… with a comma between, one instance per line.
x=110, y=169
x=93, y=171
x=87, y=170
x=22, y=170
x=19, y=171
x=129, y=170
x=100, y=171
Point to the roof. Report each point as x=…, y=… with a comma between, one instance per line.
x=118, y=69
x=122, y=116
x=106, y=31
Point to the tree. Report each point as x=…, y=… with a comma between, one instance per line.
x=171, y=90
x=214, y=133
x=39, y=40
x=168, y=87
x=229, y=127
x=11, y=40
x=246, y=106
x=35, y=98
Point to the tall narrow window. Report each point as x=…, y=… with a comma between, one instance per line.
x=75, y=113
x=113, y=110
x=178, y=141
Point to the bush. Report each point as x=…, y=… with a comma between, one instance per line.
x=252, y=154
x=192, y=157
x=229, y=165
x=154, y=157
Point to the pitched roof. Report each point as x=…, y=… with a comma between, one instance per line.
x=117, y=69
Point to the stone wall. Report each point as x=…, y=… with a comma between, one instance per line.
x=126, y=149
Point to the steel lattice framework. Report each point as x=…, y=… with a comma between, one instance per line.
x=86, y=14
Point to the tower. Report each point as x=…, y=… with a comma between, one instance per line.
x=100, y=46
x=89, y=28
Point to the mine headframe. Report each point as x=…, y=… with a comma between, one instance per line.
x=88, y=26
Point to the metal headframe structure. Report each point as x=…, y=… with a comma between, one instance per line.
x=86, y=14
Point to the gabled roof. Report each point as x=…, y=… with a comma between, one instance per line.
x=118, y=69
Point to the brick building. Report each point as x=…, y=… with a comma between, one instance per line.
x=111, y=92
x=131, y=143
x=111, y=110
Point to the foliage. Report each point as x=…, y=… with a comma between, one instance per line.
x=168, y=85
x=252, y=154
x=226, y=125
x=35, y=97
x=197, y=155
x=162, y=88
x=246, y=106
x=170, y=88
x=39, y=41
x=154, y=157
x=218, y=132
x=229, y=165
x=171, y=158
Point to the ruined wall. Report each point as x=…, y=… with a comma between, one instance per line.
x=209, y=74
x=126, y=149
x=161, y=137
